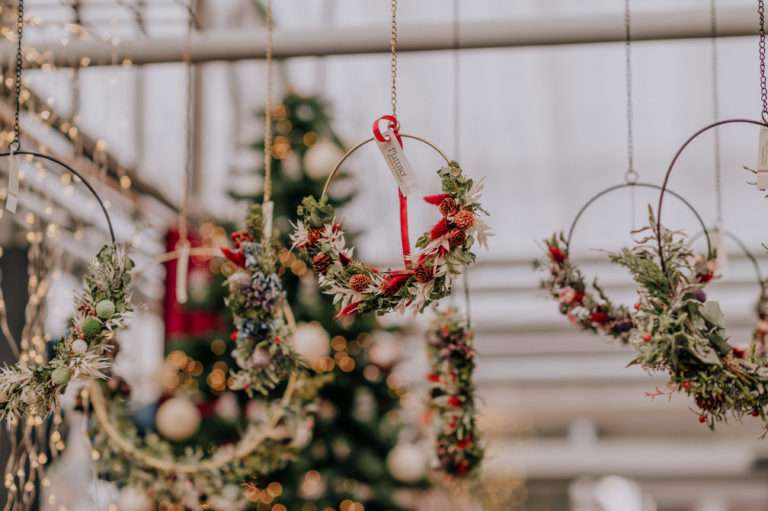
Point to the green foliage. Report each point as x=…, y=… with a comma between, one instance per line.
x=680, y=332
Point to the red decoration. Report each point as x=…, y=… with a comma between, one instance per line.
x=556, y=254
x=436, y=199
x=394, y=280
x=236, y=256
x=454, y=401
x=599, y=317
x=439, y=229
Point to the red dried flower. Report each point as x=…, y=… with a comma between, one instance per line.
x=599, y=317
x=436, y=199
x=556, y=254
x=395, y=280
x=454, y=401
x=439, y=229
x=236, y=256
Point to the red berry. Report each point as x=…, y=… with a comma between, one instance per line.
x=234, y=335
x=755, y=413
x=454, y=401
x=433, y=377
x=637, y=306
x=647, y=338
x=686, y=385
x=702, y=419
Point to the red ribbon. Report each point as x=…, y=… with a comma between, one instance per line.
x=405, y=239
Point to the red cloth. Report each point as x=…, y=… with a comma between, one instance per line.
x=184, y=320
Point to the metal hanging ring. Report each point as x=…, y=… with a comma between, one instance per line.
x=631, y=176
x=638, y=185
x=76, y=173
x=671, y=167
x=364, y=142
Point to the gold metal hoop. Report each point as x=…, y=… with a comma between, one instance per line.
x=243, y=449
x=364, y=142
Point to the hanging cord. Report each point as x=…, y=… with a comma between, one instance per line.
x=761, y=47
x=268, y=109
x=716, y=114
x=393, y=57
x=16, y=143
x=630, y=176
x=183, y=246
x=456, y=131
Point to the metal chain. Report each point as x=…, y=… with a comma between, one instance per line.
x=761, y=46
x=16, y=143
x=716, y=113
x=268, y=108
x=393, y=58
x=631, y=175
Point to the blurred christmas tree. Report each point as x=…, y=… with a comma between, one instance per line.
x=354, y=461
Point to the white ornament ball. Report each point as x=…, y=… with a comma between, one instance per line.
x=177, y=419
x=79, y=346
x=311, y=341
x=227, y=407
x=321, y=157
x=385, y=351
x=407, y=463
x=133, y=499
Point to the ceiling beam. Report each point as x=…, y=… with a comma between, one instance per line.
x=550, y=30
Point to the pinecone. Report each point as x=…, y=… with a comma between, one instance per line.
x=456, y=238
x=359, y=282
x=464, y=219
x=321, y=261
x=423, y=274
x=448, y=207
x=710, y=403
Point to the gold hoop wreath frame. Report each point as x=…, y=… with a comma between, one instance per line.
x=446, y=250
x=681, y=332
x=147, y=463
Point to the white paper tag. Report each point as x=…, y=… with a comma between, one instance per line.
x=12, y=197
x=182, y=269
x=398, y=164
x=718, y=243
x=762, y=160
x=267, y=212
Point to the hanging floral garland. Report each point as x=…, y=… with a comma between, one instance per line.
x=257, y=300
x=86, y=352
x=446, y=250
x=451, y=353
x=681, y=332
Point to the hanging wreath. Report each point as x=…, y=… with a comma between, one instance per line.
x=269, y=367
x=451, y=353
x=31, y=389
x=28, y=389
x=586, y=305
x=446, y=249
x=681, y=332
